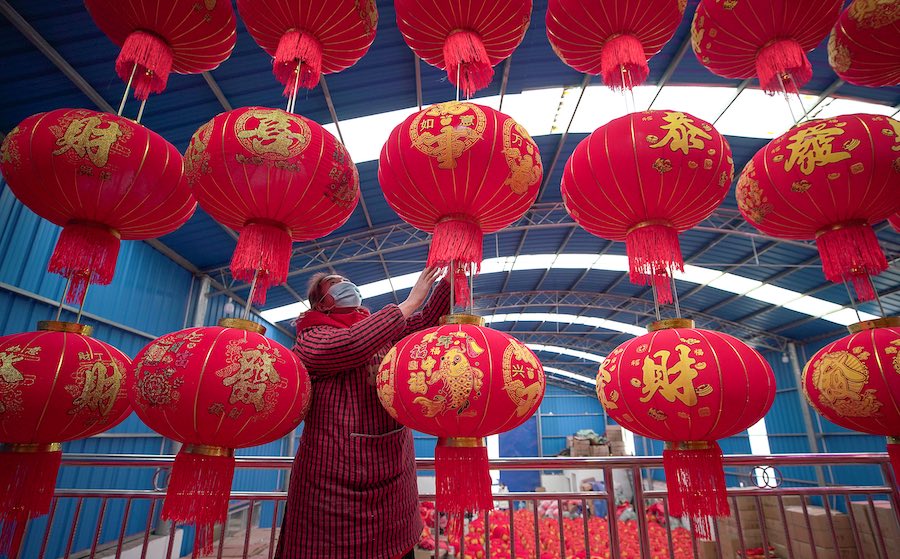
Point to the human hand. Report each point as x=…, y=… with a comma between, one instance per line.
x=419, y=291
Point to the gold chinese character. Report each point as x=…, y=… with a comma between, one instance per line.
x=675, y=382
x=86, y=139
x=249, y=377
x=681, y=134
x=273, y=133
x=427, y=124
x=102, y=382
x=811, y=148
x=467, y=120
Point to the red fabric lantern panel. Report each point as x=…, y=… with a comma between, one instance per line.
x=308, y=39
x=854, y=382
x=459, y=170
x=644, y=178
x=863, y=48
x=688, y=387
x=162, y=36
x=216, y=389
x=101, y=178
x=894, y=220
x=276, y=177
x=828, y=180
x=767, y=39
x=461, y=382
x=56, y=385
x=613, y=39
x=467, y=38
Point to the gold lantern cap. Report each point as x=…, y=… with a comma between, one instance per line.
x=886, y=322
x=462, y=318
x=241, y=324
x=68, y=327
x=669, y=323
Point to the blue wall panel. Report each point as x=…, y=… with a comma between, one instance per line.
x=521, y=441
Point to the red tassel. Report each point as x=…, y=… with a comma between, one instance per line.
x=459, y=240
x=199, y=490
x=653, y=256
x=85, y=253
x=696, y=483
x=27, y=479
x=297, y=48
x=463, y=479
x=784, y=58
x=465, y=55
x=623, y=64
x=851, y=252
x=893, y=448
x=263, y=247
x=153, y=58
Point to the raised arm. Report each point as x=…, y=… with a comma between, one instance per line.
x=327, y=351
x=437, y=306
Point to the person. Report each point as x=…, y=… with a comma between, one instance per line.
x=599, y=505
x=353, y=483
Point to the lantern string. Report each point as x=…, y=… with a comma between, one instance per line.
x=141, y=111
x=62, y=298
x=675, y=298
x=292, y=100
x=627, y=90
x=655, y=300
x=787, y=97
x=457, y=81
x=246, y=315
x=452, y=273
x=877, y=297
x=852, y=302
x=127, y=87
x=81, y=306
x=471, y=293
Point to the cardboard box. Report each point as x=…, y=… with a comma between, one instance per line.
x=824, y=533
x=803, y=550
x=569, y=440
x=614, y=433
x=600, y=450
x=616, y=449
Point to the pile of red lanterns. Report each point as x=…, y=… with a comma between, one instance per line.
x=458, y=170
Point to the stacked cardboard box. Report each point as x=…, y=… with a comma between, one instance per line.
x=580, y=447
x=616, y=442
x=869, y=520
x=776, y=532
x=747, y=516
x=813, y=529
x=583, y=446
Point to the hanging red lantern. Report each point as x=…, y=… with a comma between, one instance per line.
x=306, y=40
x=461, y=382
x=644, y=178
x=157, y=37
x=216, y=389
x=459, y=170
x=101, y=178
x=614, y=39
x=56, y=384
x=768, y=39
x=466, y=38
x=854, y=382
x=894, y=220
x=274, y=176
x=688, y=387
x=828, y=180
x=863, y=48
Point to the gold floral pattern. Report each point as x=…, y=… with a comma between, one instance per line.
x=459, y=126
x=750, y=197
x=840, y=378
x=523, y=377
x=522, y=157
x=11, y=378
x=9, y=149
x=272, y=134
x=872, y=14
x=457, y=369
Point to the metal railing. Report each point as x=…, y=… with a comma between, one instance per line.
x=125, y=523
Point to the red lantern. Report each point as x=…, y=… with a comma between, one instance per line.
x=461, y=382
x=854, y=382
x=309, y=39
x=459, y=170
x=894, y=220
x=466, y=38
x=56, y=385
x=216, y=389
x=828, y=180
x=769, y=39
x=688, y=387
x=863, y=48
x=161, y=36
x=101, y=178
x=614, y=39
x=643, y=178
x=275, y=177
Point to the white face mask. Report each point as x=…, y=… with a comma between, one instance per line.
x=345, y=295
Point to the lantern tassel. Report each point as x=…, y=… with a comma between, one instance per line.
x=263, y=246
x=85, y=253
x=784, y=57
x=27, y=480
x=893, y=449
x=199, y=490
x=457, y=239
x=466, y=57
x=653, y=256
x=619, y=55
x=153, y=58
x=297, y=48
x=851, y=252
x=463, y=479
x=696, y=483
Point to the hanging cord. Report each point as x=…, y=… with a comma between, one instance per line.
x=675, y=297
x=457, y=82
x=62, y=298
x=246, y=313
x=472, y=293
x=655, y=300
x=627, y=91
x=127, y=87
x=81, y=307
x=787, y=97
x=141, y=110
x=877, y=298
x=852, y=302
x=292, y=100
x=452, y=272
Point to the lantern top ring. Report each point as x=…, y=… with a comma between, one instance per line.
x=886, y=322
x=208, y=450
x=669, y=323
x=60, y=326
x=461, y=442
x=687, y=445
x=241, y=324
x=26, y=448
x=461, y=318
x=649, y=223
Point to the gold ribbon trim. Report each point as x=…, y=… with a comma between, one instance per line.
x=461, y=318
x=208, y=450
x=241, y=324
x=886, y=322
